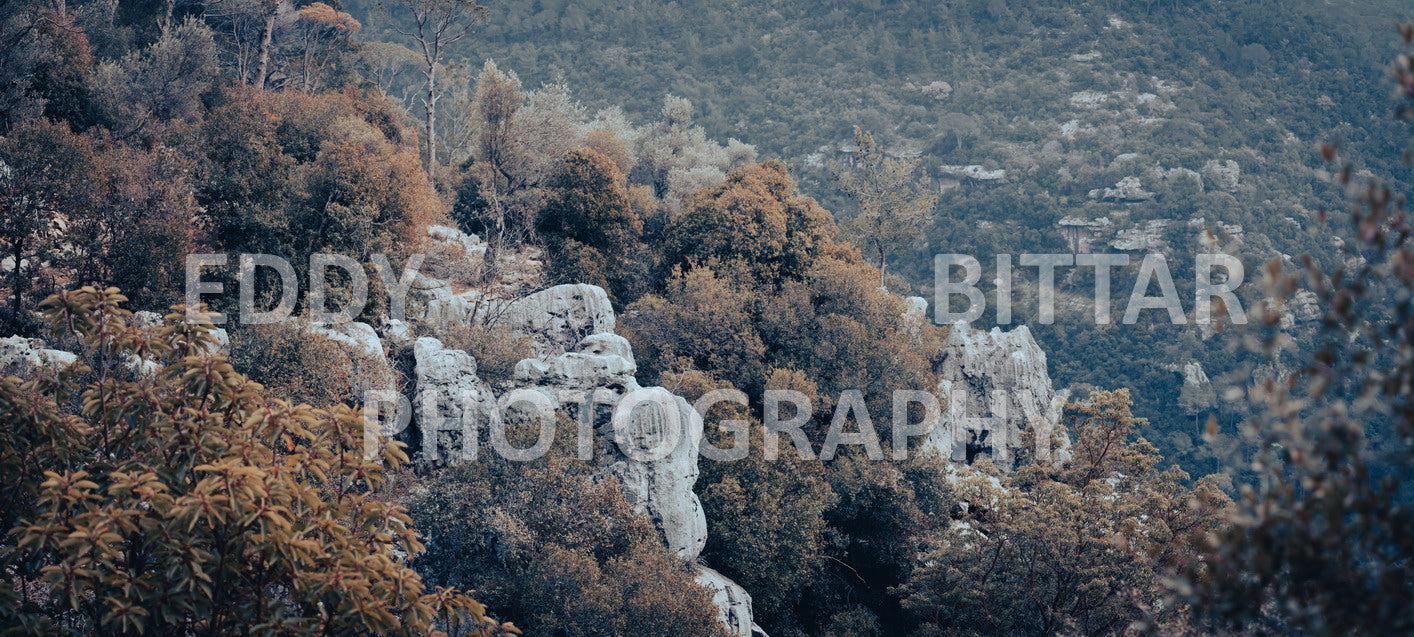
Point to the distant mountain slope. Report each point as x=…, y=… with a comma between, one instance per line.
x=1156, y=121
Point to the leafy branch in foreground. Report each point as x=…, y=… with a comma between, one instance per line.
x=1324, y=544
x=183, y=500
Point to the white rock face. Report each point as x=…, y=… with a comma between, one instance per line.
x=1147, y=237
x=147, y=319
x=1129, y=189
x=600, y=360
x=656, y=484
x=474, y=247
x=733, y=603
x=397, y=332
x=915, y=313
x=651, y=445
x=1197, y=395
x=996, y=387
x=1303, y=307
x=973, y=171
x=662, y=488
x=24, y=357
x=558, y=318
x=585, y=372
x=1226, y=175
x=448, y=394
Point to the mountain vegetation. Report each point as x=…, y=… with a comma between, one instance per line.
x=165, y=481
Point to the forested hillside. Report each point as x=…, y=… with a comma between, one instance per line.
x=1065, y=98
x=325, y=317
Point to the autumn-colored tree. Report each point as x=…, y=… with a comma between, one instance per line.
x=140, y=225
x=701, y=322
x=320, y=28
x=154, y=91
x=755, y=224
x=520, y=144
x=606, y=143
x=46, y=174
x=293, y=174
x=891, y=204
x=185, y=500
x=85, y=208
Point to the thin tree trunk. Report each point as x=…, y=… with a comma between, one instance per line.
x=267, y=35
x=430, y=102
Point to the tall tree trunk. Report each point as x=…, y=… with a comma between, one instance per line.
x=267, y=36
x=430, y=102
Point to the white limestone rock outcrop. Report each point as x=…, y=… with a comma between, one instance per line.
x=1197, y=395
x=915, y=313
x=599, y=361
x=558, y=318
x=1128, y=190
x=653, y=451
x=448, y=398
x=1303, y=307
x=1146, y=237
x=23, y=357
x=1226, y=175
x=996, y=387
x=471, y=244
x=585, y=372
x=732, y=601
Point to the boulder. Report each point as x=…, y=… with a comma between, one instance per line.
x=915, y=313
x=1127, y=190
x=471, y=244
x=371, y=369
x=1225, y=175
x=600, y=360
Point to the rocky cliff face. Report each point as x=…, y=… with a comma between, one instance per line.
x=999, y=399
x=585, y=372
